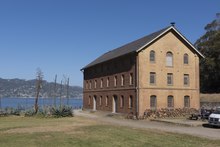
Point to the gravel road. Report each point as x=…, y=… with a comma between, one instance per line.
x=200, y=131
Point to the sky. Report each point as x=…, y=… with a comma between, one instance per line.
x=62, y=36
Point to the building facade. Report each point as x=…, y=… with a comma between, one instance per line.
x=160, y=70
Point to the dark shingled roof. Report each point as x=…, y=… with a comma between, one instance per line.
x=128, y=48
x=125, y=49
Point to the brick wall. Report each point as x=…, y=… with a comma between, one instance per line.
x=111, y=70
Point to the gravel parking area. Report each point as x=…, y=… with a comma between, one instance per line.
x=201, y=130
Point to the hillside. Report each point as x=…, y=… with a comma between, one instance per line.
x=26, y=88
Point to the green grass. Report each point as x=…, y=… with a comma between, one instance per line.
x=21, y=131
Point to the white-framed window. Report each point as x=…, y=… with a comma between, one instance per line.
x=169, y=59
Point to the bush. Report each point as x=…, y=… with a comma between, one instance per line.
x=29, y=113
x=63, y=111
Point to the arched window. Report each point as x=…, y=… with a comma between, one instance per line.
x=153, y=101
x=95, y=84
x=186, y=59
x=169, y=59
x=87, y=83
x=186, y=101
x=122, y=101
x=130, y=101
x=89, y=102
x=106, y=101
x=131, y=81
x=100, y=101
x=170, y=101
x=122, y=80
x=107, y=83
x=152, y=56
x=115, y=81
x=101, y=84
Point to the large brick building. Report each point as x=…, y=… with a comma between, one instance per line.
x=160, y=70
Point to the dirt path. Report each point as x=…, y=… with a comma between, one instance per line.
x=210, y=133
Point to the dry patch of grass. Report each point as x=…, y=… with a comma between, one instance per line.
x=77, y=131
x=210, y=97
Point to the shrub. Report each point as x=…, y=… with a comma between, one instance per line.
x=63, y=111
x=29, y=113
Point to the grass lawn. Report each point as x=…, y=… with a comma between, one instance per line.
x=77, y=131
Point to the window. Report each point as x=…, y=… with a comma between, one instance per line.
x=106, y=101
x=95, y=84
x=87, y=83
x=153, y=102
x=122, y=80
x=122, y=101
x=89, y=100
x=130, y=102
x=170, y=103
x=152, y=56
x=90, y=85
x=152, y=78
x=169, y=79
x=131, y=81
x=115, y=81
x=107, y=82
x=100, y=100
x=186, y=80
x=186, y=59
x=101, y=84
x=186, y=101
x=169, y=59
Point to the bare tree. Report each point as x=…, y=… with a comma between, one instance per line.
x=61, y=89
x=39, y=80
x=67, y=91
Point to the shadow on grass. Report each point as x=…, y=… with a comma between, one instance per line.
x=206, y=125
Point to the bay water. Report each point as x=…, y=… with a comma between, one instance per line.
x=28, y=103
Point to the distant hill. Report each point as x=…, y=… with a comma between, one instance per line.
x=26, y=88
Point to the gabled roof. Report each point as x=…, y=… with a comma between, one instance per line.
x=137, y=46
